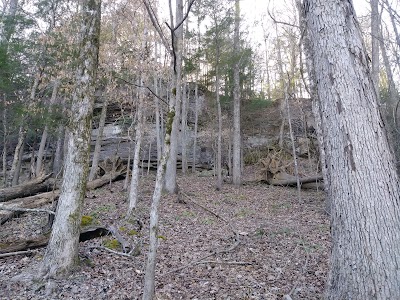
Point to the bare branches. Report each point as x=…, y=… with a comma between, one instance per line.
x=143, y=86
x=281, y=22
x=156, y=24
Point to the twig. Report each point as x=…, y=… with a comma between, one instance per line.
x=18, y=209
x=239, y=263
x=110, y=250
x=211, y=212
x=17, y=253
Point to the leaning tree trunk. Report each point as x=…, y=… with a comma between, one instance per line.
x=62, y=251
x=363, y=182
x=236, y=165
x=13, y=171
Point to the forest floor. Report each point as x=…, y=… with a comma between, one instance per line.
x=253, y=242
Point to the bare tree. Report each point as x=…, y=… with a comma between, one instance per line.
x=62, y=250
x=236, y=163
x=363, y=184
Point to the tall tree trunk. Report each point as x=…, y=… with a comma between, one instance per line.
x=149, y=283
x=196, y=120
x=170, y=178
x=184, y=127
x=4, y=154
x=219, y=143
x=158, y=133
x=62, y=251
x=46, y=129
x=363, y=183
x=133, y=191
x=99, y=139
x=236, y=164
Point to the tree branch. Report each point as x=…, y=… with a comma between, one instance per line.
x=142, y=86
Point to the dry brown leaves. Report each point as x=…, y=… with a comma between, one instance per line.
x=283, y=248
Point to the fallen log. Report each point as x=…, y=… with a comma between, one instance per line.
x=32, y=187
x=30, y=202
x=41, y=241
x=107, y=178
x=38, y=200
x=284, y=179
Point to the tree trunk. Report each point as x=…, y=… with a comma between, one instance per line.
x=170, y=178
x=4, y=154
x=183, y=128
x=158, y=133
x=62, y=251
x=363, y=183
x=219, y=144
x=45, y=131
x=99, y=138
x=236, y=163
x=58, y=155
x=19, y=148
x=149, y=278
x=196, y=120
x=133, y=191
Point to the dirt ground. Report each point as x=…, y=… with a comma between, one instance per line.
x=253, y=242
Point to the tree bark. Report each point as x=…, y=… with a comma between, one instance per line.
x=236, y=162
x=62, y=251
x=363, y=183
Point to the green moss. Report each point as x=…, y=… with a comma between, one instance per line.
x=112, y=244
x=86, y=221
x=170, y=120
x=132, y=232
x=161, y=237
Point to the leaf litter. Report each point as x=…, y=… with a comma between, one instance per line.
x=253, y=242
